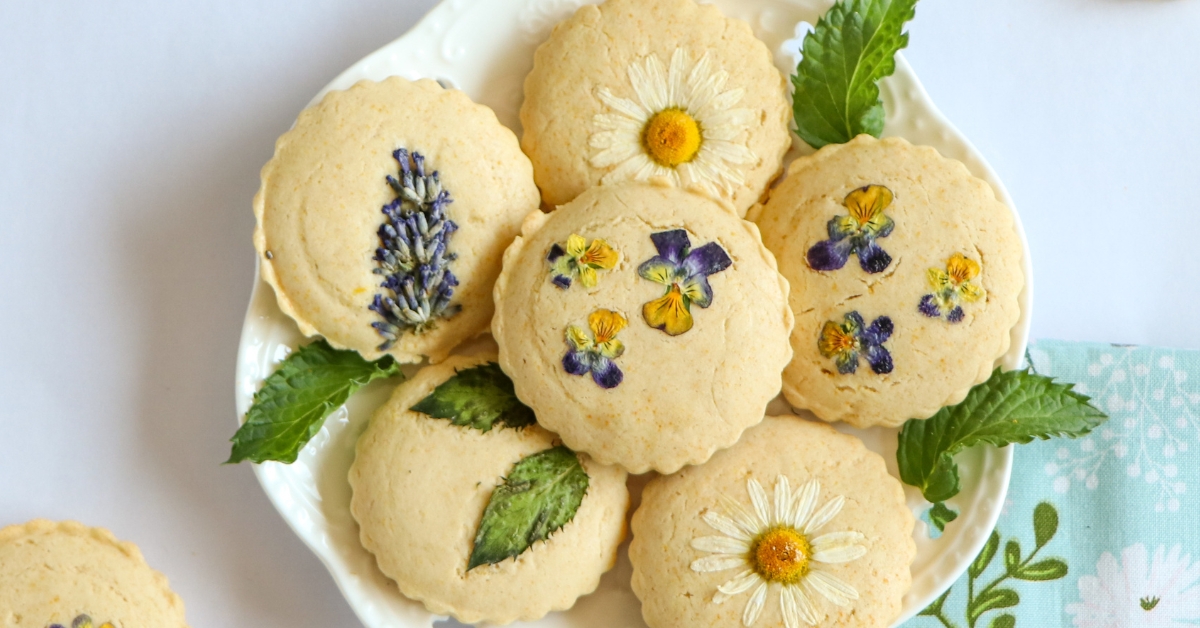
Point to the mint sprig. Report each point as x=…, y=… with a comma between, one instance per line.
x=853, y=46
x=539, y=496
x=1010, y=407
x=293, y=402
x=477, y=397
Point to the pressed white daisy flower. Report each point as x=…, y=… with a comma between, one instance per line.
x=683, y=126
x=778, y=547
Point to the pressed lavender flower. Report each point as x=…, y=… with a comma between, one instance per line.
x=418, y=283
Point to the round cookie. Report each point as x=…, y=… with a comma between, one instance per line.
x=655, y=89
x=383, y=216
x=797, y=520
x=68, y=575
x=645, y=324
x=905, y=274
x=420, y=489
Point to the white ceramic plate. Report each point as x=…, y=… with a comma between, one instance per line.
x=485, y=48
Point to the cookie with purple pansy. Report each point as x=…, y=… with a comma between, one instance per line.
x=676, y=348
x=906, y=274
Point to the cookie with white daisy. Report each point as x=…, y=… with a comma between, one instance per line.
x=645, y=324
x=798, y=525
x=655, y=89
x=472, y=508
x=384, y=213
x=906, y=273
x=67, y=575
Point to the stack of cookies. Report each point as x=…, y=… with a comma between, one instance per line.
x=649, y=293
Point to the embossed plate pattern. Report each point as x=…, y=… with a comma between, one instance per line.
x=485, y=48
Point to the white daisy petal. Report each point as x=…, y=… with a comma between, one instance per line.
x=702, y=84
x=627, y=170
x=619, y=122
x=832, y=588
x=804, y=502
x=758, y=497
x=614, y=155
x=725, y=525
x=717, y=562
x=804, y=604
x=838, y=547
x=755, y=606
x=622, y=105
x=825, y=514
x=741, y=515
x=720, y=545
x=787, y=605
x=740, y=584
x=783, y=500
x=722, y=102
x=677, y=78
x=734, y=120
x=730, y=152
x=649, y=83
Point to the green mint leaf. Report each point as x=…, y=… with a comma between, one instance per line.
x=836, y=95
x=477, y=397
x=538, y=497
x=1011, y=407
x=940, y=515
x=1049, y=569
x=293, y=402
x=991, y=600
x=1045, y=523
x=985, y=555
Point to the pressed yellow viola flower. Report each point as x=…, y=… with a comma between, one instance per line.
x=580, y=259
x=857, y=232
x=684, y=271
x=668, y=312
x=951, y=288
x=596, y=354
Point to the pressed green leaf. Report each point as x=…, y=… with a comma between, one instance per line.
x=538, y=497
x=293, y=402
x=1012, y=555
x=1011, y=407
x=985, y=556
x=1004, y=621
x=1049, y=569
x=853, y=46
x=1045, y=523
x=477, y=397
x=940, y=515
x=992, y=600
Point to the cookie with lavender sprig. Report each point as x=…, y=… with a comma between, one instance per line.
x=383, y=216
x=645, y=324
x=665, y=90
x=905, y=271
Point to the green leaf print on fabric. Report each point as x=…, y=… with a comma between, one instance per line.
x=984, y=599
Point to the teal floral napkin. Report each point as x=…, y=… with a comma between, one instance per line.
x=1098, y=532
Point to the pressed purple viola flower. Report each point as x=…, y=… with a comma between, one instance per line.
x=597, y=353
x=952, y=287
x=684, y=271
x=849, y=340
x=857, y=232
x=413, y=255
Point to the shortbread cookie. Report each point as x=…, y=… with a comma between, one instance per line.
x=655, y=89
x=905, y=274
x=383, y=216
x=66, y=575
x=645, y=324
x=427, y=497
x=798, y=525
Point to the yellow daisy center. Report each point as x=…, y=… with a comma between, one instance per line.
x=781, y=554
x=672, y=137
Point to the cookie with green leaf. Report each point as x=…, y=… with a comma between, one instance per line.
x=674, y=349
x=382, y=217
x=475, y=510
x=906, y=273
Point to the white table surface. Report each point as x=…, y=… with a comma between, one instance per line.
x=132, y=133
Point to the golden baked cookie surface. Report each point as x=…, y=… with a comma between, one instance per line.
x=655, y=89
x=55, y=573
x=797, y=519
x=905, y=274
x=320, y=211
